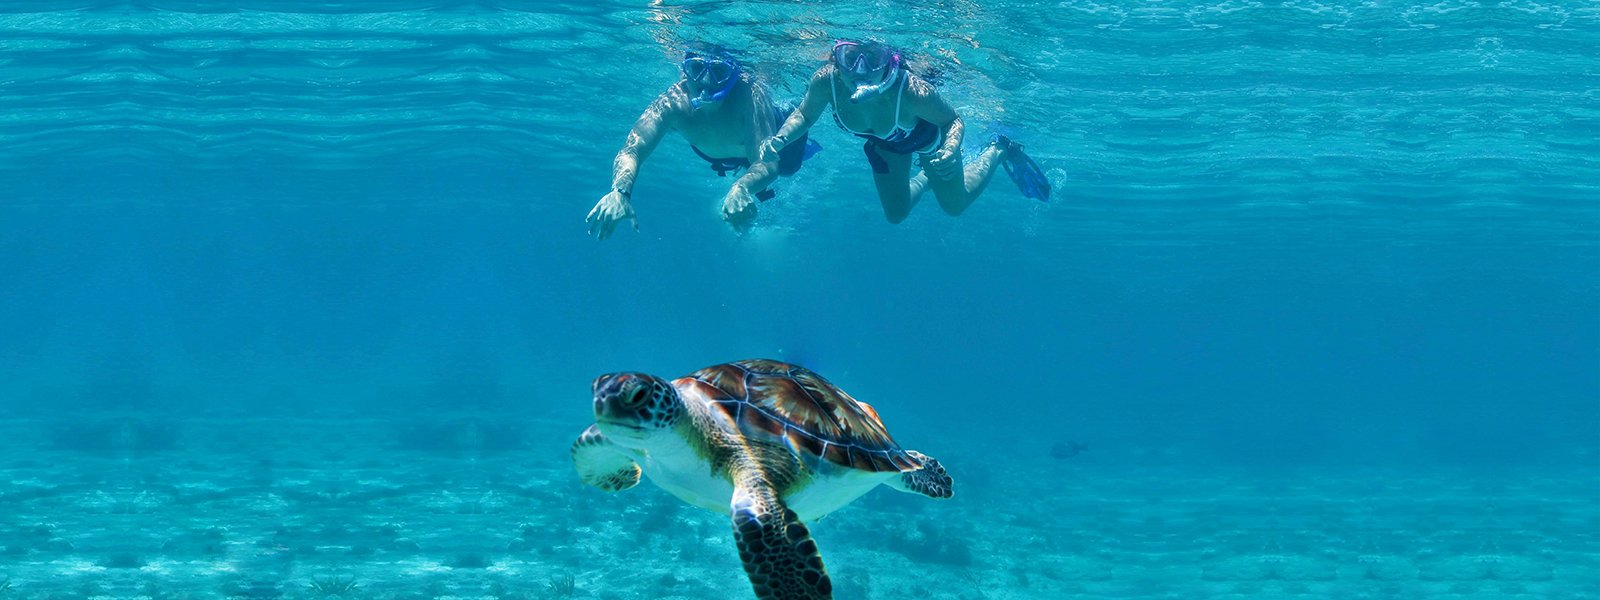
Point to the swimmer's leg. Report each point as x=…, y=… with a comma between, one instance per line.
x=956, y=194
x=890, y=173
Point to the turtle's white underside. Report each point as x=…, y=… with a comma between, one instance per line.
x=678, y=469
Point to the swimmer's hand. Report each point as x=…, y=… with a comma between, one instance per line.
x=770, y=148
x=943, y=164
x=739, y=207
x=610, y=210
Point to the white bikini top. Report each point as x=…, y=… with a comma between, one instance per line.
x=896, y=134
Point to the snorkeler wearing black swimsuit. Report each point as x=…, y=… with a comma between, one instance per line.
x=724, y=115
x=901, y=115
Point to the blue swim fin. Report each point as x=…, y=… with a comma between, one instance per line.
x=1030, y=179
x=812, y=148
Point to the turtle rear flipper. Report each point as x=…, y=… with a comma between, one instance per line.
x=778, y=553
x=601, y=464
x=931, y=480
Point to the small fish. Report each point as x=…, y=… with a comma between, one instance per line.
x=1066, y=450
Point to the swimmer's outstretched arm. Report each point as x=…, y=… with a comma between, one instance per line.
x=762, y=172
x=739, y=205
x=647, y=132
x=924, y=102
x=818, y=97
x=652, y=125
x=760, y=175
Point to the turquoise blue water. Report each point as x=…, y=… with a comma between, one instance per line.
x=295, y=295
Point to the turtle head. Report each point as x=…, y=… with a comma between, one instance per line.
x=629, y=408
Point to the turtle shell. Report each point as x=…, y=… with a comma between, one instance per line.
x=792, y=405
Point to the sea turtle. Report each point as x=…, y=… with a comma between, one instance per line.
x=770, y=444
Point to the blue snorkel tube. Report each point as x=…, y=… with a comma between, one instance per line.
x=718, y=95
x=711, y=55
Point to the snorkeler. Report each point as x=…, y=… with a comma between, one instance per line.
x=900, y=115
x=724, y=116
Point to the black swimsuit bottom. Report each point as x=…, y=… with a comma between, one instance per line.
x=921, y=136
x=789, y=159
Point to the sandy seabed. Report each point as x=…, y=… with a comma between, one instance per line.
x=476, y=507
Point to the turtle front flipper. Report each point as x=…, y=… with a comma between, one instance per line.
x=778, y=552
x=601, y=463
x=931, y=480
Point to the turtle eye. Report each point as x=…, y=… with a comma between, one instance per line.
x=635, y=398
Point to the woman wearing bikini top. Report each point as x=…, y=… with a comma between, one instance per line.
x=900, y=115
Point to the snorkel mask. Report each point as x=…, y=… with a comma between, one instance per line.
x=713, y=72
x=872, y=67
